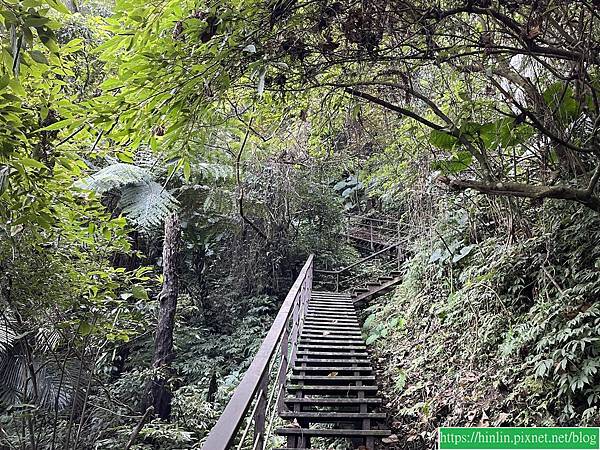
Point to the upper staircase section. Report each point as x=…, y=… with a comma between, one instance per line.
x=386, y=245
x=373, y=233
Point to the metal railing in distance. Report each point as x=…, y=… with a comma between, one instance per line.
x=373, y=230
x=282, y=341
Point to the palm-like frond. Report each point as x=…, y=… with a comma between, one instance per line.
x=147, y=204
x=115, y=176
x=143, y=201
x=54, y=383
x=54, y=386
x=214, y=171
x=8, y=335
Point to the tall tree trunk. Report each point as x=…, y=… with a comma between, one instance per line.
x=163, y=341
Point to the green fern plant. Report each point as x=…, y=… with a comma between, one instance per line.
x=142, y=200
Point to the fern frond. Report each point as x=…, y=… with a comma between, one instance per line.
x=213, y=171
x=147, y=204
x=115, y=176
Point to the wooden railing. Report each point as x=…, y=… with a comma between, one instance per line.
x=257, y=393
x=339, y=273
x=375, y=232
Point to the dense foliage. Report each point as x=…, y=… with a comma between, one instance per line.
x=258, y=125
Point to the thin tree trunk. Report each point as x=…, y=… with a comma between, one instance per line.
x=163, y=341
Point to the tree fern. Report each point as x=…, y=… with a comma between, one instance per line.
x=7, y=334
x=54, y=386
x=147, y=204
x=143, y=201
x=115, y=176
x=214, y=171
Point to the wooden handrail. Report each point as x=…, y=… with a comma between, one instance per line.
x=255, y=380
x=366, y=258
x=390, y=220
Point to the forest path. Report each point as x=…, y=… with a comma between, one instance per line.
x=313, y=370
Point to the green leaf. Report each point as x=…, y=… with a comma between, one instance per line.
x=372, y=339
x=460, y=162
x=84, y=328
x=59, y=6
x=58, y=125
x=29, y=162
x=139, y=292
x=187, y=170
x=38, y=57
x=504, y=133
x=559, y=98
x=442, y=139
x=126, y=158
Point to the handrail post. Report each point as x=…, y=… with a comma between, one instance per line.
x=260, y=414
x=337, y=282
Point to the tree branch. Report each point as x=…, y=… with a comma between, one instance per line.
x=513, y=189
x=392, y=107
x=238, y=177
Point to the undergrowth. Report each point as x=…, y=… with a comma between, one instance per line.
x=505, y=334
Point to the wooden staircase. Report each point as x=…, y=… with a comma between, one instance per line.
x=331, y=392
x=374, y=289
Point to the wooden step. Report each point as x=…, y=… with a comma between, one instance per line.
x=332, y=347
x=340, y=354
x=330, y=313
x=314, y=301
x=329, y=416
x=346, y=322
x=337, y=378
x=346, y=304
x=332, y=340
x=339, y=333
x=324, y=401
x=332, y=294
x=332, y=309
x=320, y=335
x=355, y=333
x=329, y=432
x=330, y=369
x=326, y=389
x=350, y=361
x=320, y=310
x=336, y=327
x=330, y=319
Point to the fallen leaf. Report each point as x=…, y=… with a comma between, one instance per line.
x=501, y=419
x=332, y=374
x=391, y=439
